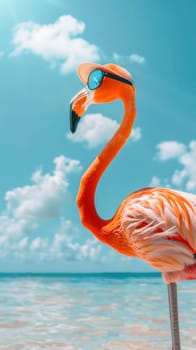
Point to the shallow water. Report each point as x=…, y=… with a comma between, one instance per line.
x=96, y=312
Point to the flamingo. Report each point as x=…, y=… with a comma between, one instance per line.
x=155, y=224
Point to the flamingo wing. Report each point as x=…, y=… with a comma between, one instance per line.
x=161, y=226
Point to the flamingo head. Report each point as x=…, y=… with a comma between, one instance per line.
x=103, y=83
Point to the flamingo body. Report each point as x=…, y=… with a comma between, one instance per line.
x=161, y=227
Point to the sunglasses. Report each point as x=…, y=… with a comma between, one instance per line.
x=96, y=77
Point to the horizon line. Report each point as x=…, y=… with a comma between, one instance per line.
x=156, y=273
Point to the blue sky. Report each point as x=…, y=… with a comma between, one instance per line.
x=41, y=45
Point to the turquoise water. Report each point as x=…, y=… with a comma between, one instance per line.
x=91, y=312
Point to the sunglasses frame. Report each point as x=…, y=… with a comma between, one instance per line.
x=109, y=75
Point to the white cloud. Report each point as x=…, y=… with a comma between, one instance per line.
x=63, y=245
x=185, y=176
x=179, y=176
x=136, y=134
x=155, y=182
x=188, y=172
x=95, y=129
x=117, y=57
x=45, y=198
x=22, y=244
x=137, y=58
x=170, y=149
x=39, y=244
x=28, y=206
x=15, y=227
x=58, y=42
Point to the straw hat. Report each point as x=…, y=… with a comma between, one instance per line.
x=86, y=68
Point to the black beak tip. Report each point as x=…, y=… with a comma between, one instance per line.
x=74, y=119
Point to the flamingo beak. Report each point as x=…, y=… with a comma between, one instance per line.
x=74, y=119
x=78, y=106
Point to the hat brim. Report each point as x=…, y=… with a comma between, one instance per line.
x=85, y=69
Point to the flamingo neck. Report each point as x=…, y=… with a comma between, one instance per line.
x=86, y=194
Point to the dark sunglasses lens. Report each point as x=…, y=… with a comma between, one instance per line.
x=95, y=79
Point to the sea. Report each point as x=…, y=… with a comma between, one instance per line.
x=107, y=311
